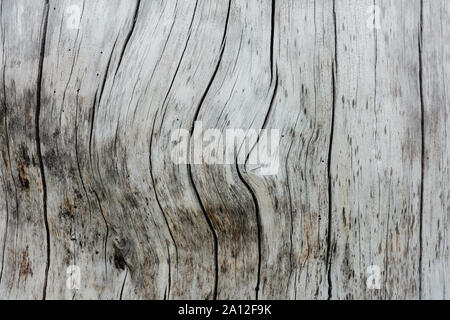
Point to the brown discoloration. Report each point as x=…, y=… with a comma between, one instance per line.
x=24, y=182
x=24, y=157
x=5, y=158
x=23, y=163
x=25, y=265
x=68, y=206
x=67, y=210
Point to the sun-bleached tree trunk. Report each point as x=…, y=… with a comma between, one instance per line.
x=91, y=93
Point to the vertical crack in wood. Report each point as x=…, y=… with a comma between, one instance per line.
x=176, y=71
x=272, y=33
x=162, y=120
x=7, y=142
x=164, y=215
x=213, y=231
x=291, y=212
x=272, y=100
x=252, y=193
x=422, y=112
x=173, y=80
x=130, y=33
x=91, y=127
x=257, y=211
x=311, y=136
x=170, y=273
x=91, y=131
x=222, y=48
x=12, y=176
x=258, y=225
x=75, y=56
x=38, y=140
x=330, y=179
x=386, y=258
x=123, y=284
x=202, y=99
x=78, y=163
x=275, y=90
x=6, y=230
x=4, y=106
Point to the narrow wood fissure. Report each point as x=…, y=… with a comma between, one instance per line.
x=6, y=231
x=91, y=135
x=258, y=225
x=128, y=37
x=291, y=211
x=170, y=272
x=176, y=71
x=253, y=195
x=334, y=73
x=422, y=123
x=330, y=181
x=80, y=176
x=257, y=210
x=375, y=75
x=166, y=222
x=162, y=120
x=123, y=284
x=272, y=34
x=75, y=56
x=197, y=112
x=91, y=127
x=213, y=231
x=12, y=177
x=38, y=140
x=91, y=131
x=164, y=215
x=7, y=142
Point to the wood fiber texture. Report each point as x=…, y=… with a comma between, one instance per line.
x=92, y=91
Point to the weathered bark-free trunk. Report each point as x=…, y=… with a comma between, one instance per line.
x=93, y=92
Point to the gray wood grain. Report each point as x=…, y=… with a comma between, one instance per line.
x=92, y=91
x=435, y=62
x=376, y=160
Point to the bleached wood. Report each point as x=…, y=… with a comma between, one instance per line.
x=376, y=159
x=24, y=250
x=435, y=59
x=88, y=108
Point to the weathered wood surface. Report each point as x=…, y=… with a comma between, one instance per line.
x=89, y=103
